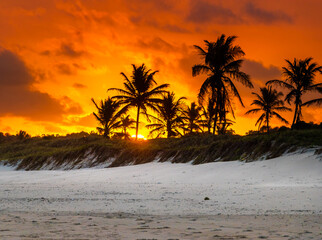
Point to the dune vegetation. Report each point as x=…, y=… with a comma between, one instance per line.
x=92, y=150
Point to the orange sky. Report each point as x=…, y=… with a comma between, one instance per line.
x=56, y=55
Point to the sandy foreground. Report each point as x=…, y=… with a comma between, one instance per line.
x=53, y=225
x=275, y=199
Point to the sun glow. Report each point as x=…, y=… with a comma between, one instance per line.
x=140, y=137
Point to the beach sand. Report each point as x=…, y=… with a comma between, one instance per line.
x=273, y=199
x=53, y=225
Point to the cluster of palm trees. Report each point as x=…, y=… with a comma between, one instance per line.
x=222, y=62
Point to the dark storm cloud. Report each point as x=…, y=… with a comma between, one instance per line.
x=79, y=85
x=17, y=98
x=13, y=71
x=65, y=69
x=45, y=53
x=204, y=12
x=258, y=71
x=69, y=69
x=160, y=5
x=68, y=49
x=265, y=16
x=79, y=66
x=156, y=43
x=151, y=21
x=185, y=64
x=174, y=28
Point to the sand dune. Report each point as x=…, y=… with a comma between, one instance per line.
x=271, y=198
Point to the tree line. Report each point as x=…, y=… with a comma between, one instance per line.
x=222, y=61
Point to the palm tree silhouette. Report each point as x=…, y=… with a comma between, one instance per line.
x=300, y=76
x=208, y=113
x=22, y=135
x=126, y=123
x=268, y=102
x=108, y=116
x=139, y=92
x=169, y=119
x=192, y=117
x=222, y=65
x=224, y=122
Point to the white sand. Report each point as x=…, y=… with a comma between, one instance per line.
x=290, y=185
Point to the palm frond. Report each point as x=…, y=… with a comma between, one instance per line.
x=317, y=102
x=280, y=117
x=280, y=83
x=255, y=110
x=234, y=90
x=260, y=120
x=199, y=69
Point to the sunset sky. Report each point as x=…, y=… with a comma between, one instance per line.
x=56, y=55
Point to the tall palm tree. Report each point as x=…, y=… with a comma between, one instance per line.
x=126, y=123
x=269, y=103
x=299, y=79
x=169, y=119
x=222, y=65
x=139, y=92
x=192, y=117
x=108, y=116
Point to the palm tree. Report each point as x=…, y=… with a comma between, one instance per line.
x=224, y=122
x=139, y=92
x=169, y=119
x=192, y=116
x=108, y=116
x=22, y=135
x=126, y=123
x=300, y=76
x=208, y=113
x=268, y=102
x=222, y=65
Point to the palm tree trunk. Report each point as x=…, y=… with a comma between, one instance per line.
x=295, y=115
x=209, y=125
x=298, y=114
x=137, y=122
x=267, y=123
x=221, y=122
x=106, y=131
x=224, y=125
x=215, y=120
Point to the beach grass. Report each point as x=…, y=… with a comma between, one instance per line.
x=35, y=152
